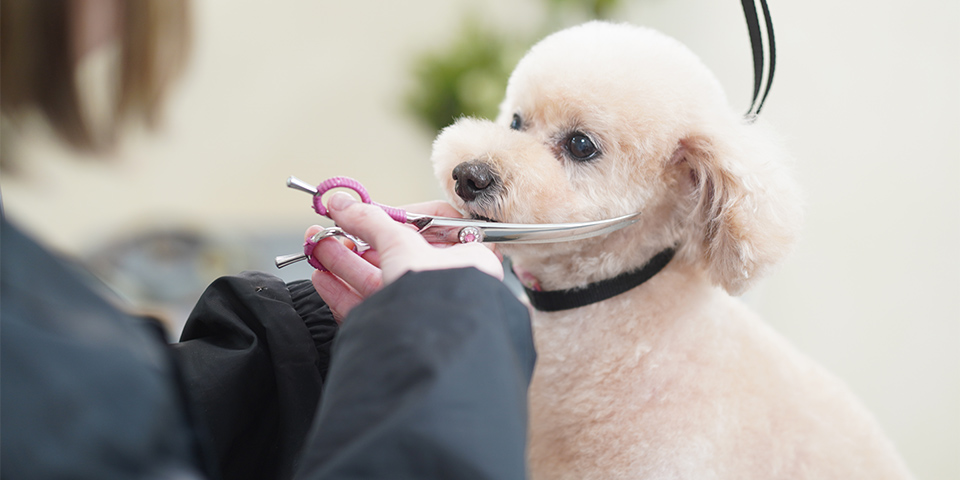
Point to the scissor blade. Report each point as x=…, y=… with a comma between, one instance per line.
x=447, y=230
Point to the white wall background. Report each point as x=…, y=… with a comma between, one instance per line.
x=867, y=95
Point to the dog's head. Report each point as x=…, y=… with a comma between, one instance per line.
x=603, y=120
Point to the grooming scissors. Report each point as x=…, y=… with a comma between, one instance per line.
x=437, y=229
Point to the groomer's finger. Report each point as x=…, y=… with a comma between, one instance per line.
x=370, y=255
x=339, y=296
x=437, y=208
x=478, y=256
x=311, y=231
x=496, y=251
x=370, y=223
x=373, y=257
x=350, y=267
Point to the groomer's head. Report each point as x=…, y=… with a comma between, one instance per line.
x=43, y=41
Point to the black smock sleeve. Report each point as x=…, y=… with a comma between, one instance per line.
x=253, y=355
x=428, y=380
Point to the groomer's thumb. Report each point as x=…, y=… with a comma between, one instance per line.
x=369, y=222
x=339, y=201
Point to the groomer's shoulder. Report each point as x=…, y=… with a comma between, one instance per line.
x=88, y=391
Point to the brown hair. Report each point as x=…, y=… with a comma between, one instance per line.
x=39, y=57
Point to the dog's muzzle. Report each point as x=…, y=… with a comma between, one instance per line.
x=475, y=179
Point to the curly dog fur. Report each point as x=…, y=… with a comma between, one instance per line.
x=676, y=378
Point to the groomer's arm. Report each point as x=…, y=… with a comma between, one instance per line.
x=252, y=359
x=429, y=375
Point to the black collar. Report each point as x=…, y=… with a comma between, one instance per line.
x=557, y=300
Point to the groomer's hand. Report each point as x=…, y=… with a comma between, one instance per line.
x=396, y=249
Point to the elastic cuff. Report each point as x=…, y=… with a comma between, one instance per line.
x=318, y=318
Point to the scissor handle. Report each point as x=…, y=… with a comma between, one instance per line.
x=395, y=213
x=337, y=182
x=359, y=246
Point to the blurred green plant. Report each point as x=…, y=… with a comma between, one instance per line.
x=601, y=9
x=467, y=78
x=469, y=75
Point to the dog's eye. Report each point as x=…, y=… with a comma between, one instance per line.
x=581, y=147
x=516, y=124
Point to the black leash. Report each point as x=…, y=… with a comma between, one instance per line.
x=756, y=41
x=556, y=300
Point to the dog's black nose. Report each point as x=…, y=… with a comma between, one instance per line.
x=473, y=179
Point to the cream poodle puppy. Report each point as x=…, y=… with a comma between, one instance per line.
x=671, y=377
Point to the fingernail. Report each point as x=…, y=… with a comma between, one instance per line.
x=339, y=201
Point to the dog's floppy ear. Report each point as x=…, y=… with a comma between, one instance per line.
x=746, y=208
